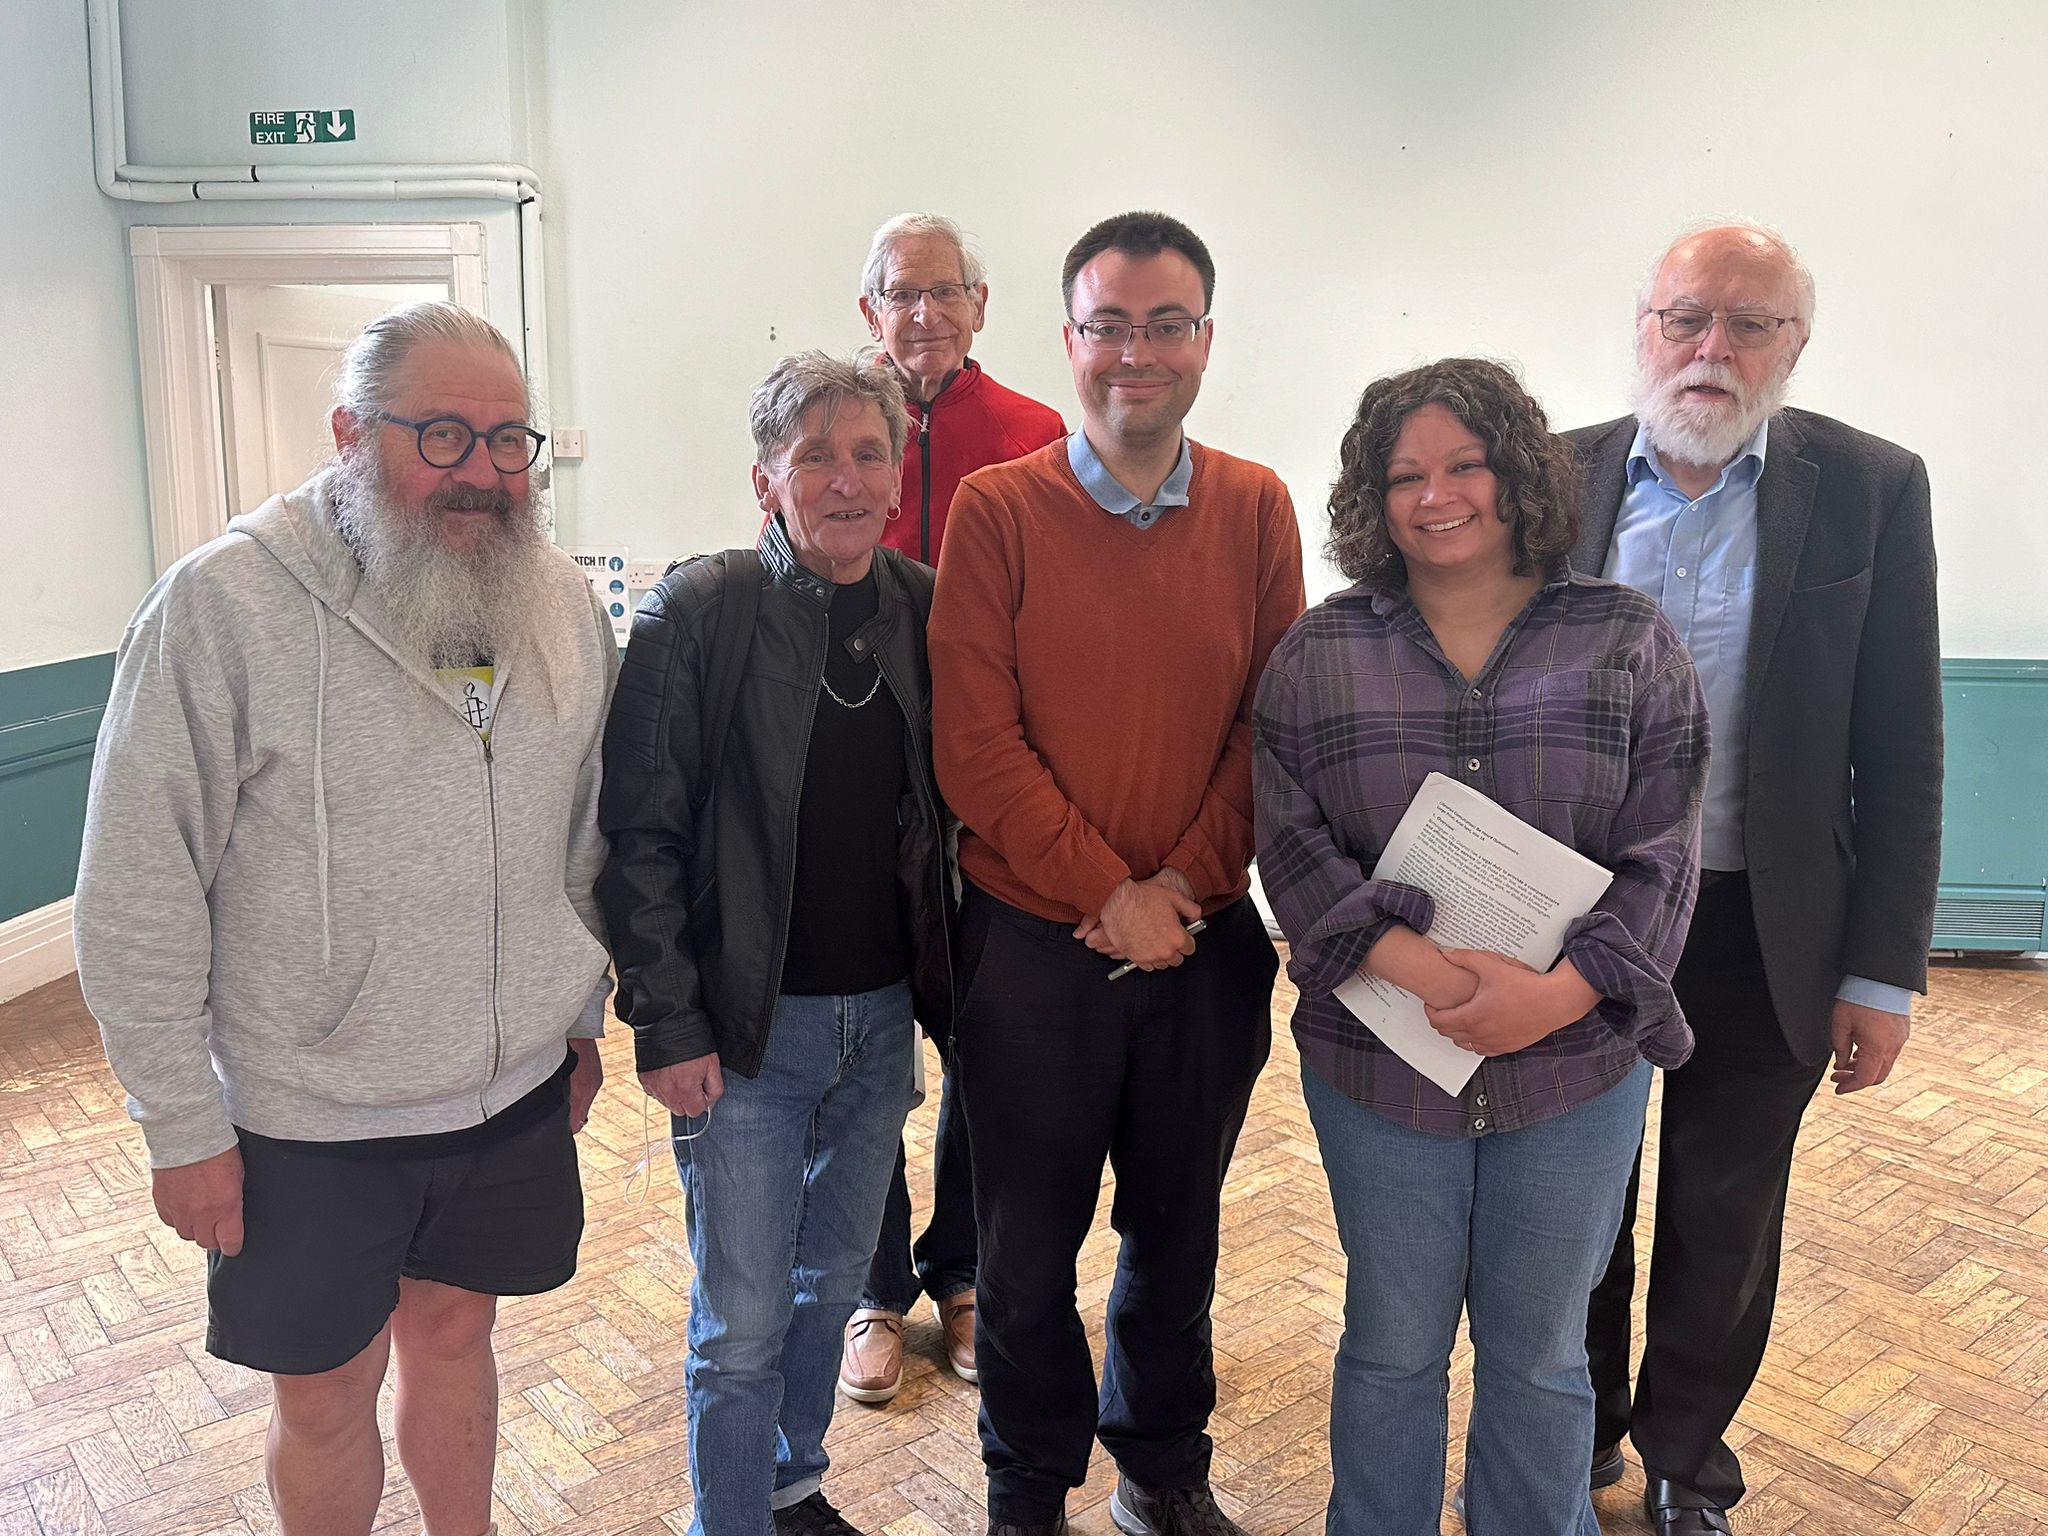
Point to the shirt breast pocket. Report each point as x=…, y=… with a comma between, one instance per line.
x=1730, y=601
x=1580, y=740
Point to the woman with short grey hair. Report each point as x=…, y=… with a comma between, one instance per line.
x=779, y=905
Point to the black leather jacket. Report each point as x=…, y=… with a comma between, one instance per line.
x=699, y=914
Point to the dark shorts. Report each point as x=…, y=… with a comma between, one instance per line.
x=327, y=1237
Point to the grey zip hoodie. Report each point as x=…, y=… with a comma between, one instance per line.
x=312, y=903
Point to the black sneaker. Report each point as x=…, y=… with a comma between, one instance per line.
x=1169, y=1511
x=1608, y=1466
x=1014, y=1528
x=813, y=1516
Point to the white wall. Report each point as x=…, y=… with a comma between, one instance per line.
x=75, y=554
x=439, y=81
x=1381, y=183
x=74, y=524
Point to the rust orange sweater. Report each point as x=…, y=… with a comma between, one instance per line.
x=1092, y=681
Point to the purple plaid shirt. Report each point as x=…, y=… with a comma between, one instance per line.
x=1587, y=722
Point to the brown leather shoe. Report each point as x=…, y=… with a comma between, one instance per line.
x=956, y=1321
x=871, y=1363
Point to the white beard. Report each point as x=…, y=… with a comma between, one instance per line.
x=445, y=607
x=1698, y=432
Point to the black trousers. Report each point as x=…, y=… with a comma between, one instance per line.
x=1060, y=1069
x=942, y=1261
x=1724, y=1164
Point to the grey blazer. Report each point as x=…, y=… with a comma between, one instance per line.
x=1842, y=820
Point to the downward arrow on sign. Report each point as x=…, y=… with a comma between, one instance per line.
x=334, y=124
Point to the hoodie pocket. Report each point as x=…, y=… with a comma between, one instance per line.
x=401, y=1041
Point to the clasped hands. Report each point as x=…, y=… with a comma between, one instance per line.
x=1493, y=1004
x=1145, y=922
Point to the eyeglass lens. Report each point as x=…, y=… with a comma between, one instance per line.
x=906, y=298
x=1118, y=333
x=1744, y=330
x=445, y=444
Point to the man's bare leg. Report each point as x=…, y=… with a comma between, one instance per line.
x=324, y=1460
x=447, y=1405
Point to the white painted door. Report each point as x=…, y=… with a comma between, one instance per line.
x=280, y=344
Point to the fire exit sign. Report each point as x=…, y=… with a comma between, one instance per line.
x=336, y=126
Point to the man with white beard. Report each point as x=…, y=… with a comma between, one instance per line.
x=335, y=918
x=1796, y=557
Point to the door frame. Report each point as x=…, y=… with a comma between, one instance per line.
x=175, y=269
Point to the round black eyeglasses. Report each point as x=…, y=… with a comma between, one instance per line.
x=446, y=442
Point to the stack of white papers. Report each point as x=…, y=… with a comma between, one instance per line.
x=1499, y=884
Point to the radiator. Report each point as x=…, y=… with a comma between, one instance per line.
x=1994, y=823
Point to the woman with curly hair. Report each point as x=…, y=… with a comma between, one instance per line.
x=1467, y=647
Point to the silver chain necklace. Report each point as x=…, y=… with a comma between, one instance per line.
x=873, y=689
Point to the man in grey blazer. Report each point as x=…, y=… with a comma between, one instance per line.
x=1796, y=557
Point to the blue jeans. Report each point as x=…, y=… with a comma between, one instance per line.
x=1512, y=1228
x=783, y=1198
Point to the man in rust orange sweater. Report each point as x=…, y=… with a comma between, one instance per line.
x=1104, y=609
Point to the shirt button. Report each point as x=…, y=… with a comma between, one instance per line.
x=1472, y=763
x=1480, y=1100
x=1476, y=694
x=1479, y=1124
x=860, y=645
x=1681, y=570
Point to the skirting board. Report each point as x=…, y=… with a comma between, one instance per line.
x=36, y=948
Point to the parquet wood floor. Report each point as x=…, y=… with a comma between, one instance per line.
x=1907, y=1387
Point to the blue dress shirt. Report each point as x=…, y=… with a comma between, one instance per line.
x=1697, y=557
x=1109, y=493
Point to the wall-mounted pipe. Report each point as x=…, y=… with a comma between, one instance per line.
x=505, y=171
x=500, y=181
x=352, y=191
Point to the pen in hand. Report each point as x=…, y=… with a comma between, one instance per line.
x=1129, y=966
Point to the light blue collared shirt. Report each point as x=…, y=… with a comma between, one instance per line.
x=1109, y=493
x=1697, y=557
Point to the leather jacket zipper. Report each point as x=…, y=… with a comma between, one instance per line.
x=924, y=484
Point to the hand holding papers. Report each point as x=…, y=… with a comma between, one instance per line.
x=1498, y=883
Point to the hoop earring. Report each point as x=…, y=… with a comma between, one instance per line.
x=894, y=513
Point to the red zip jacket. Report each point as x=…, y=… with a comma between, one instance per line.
x=974, y=422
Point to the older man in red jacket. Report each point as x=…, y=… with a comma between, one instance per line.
x=924, y=295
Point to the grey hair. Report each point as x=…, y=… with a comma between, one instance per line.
x=908, y=226
x=802, y=381
x=1802, y=277
x=368, y=381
